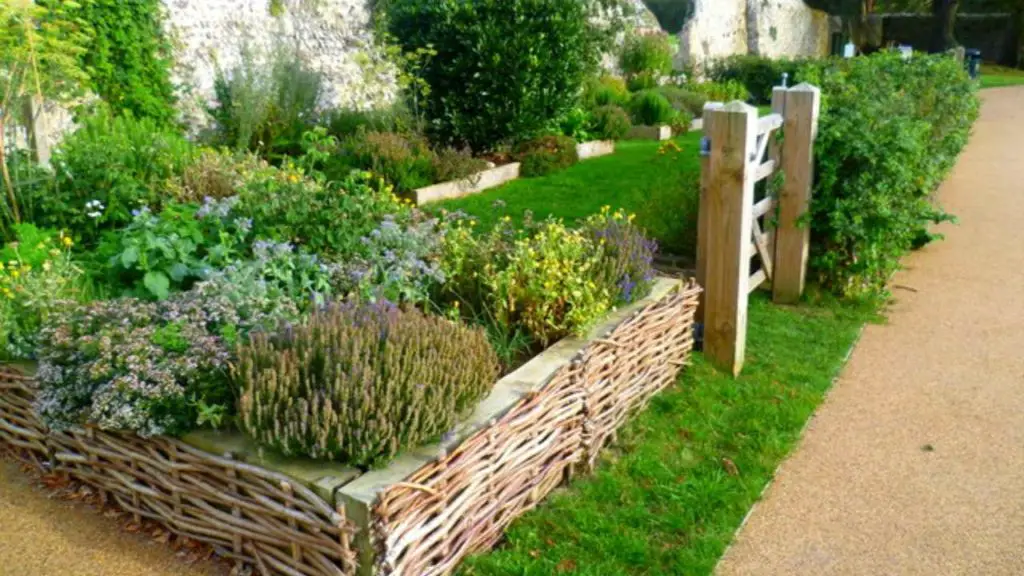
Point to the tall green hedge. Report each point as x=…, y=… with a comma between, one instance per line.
x=890, y=131
x=130, y=59
x=504, y=69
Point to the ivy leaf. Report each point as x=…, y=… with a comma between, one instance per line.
x=158, y=284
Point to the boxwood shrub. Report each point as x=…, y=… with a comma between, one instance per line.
x=504, y=69
x=650, y=108
x=546, y=154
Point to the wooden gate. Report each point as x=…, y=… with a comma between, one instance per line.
x=743, y=244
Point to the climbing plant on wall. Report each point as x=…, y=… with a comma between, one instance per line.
x=129, y=59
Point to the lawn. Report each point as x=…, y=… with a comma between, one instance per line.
x=656, y=181
x=993, y=76
x=669, y=496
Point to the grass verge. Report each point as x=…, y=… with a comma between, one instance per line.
x=658, y=182
x=993, y=76
x=670, y=494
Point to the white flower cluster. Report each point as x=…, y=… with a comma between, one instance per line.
x=95, y=209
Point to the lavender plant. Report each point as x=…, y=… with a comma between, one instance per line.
x=401, y=260
x=626, y=264
x=360, y=382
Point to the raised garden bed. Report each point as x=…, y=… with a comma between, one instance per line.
x=494, y=177
x=426, y=511
x=649, y=133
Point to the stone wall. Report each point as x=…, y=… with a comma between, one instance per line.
x=332, y=36
x=773, y=28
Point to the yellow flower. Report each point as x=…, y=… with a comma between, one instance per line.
x=15, y=273
x=67, y=241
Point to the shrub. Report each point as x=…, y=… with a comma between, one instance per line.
x=327, y=218
x=406, y=162
x=684, y=99
x=611, y=123
x=647, y=55
x=890, y=131
x=266, y=107
x=346, y=122
x=359, y=383
x=759, y=74
x=37, y=280
x=120, y=162
x=545, y=155
x=605, y=91
x=720, y=91
x=504, y=69
x=149, y=368
x=576, y=125
x=547, y=286
x=649, y=108
x=215, y=174
x=129, y=58
x=455, y=164
x=626, y=265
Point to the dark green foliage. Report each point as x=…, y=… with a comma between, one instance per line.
x=359, y=383
x=129, y=59
x=455, y=164
x=720, y=91
x=504, y=69
x=650, y=108
x=611, y=123
x=758, y=73
x=890, y=131
x=124, y=163
x=345, y=122
x=545, y=155
x=266, y=107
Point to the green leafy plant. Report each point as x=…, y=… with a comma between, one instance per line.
x=605, y=91
x=406, y=162
x=545, y=155
x=683, y=99
x=890, y=130
x=647, y=57
x=39, y=50
x=129, y=57
x=759, y=74
x=650, y=108
x=358, y=383
x=504, y=69
x=726, y=91
x=576, y=124
x=611, y=123
x=626, y=266
x=121, y=163
x=452, y=164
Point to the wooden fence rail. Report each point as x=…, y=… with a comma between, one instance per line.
x=734, y=229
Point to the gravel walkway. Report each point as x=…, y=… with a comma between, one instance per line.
x=915, y=463
x=40, y=536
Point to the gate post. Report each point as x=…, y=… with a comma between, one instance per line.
x=792, y=236
x=729, y=217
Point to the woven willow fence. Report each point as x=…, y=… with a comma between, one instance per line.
x=461, y=503
x=253, y=515
x=421, y=523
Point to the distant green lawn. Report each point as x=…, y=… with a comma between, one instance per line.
x=993, y=76
x=650, y=179
x=669, y=496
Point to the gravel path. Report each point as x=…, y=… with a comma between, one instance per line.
x=915, y=462
x=40, y=536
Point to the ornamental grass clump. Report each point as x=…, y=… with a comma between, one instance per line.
x=357, y=383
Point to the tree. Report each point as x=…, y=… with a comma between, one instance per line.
x=39, y=51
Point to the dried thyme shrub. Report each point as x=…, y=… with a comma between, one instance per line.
x=357, y=383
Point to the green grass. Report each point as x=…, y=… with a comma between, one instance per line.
x=669, y=496
x=660, y=188
x=993, y=76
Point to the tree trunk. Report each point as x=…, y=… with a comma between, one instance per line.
x=944, y=13
x=8, y=184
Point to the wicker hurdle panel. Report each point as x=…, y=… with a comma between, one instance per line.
x=20, y=428
x=247, y=513
x=461, y=504
x=640, y=358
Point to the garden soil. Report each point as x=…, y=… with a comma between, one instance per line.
x=45, y=536
x=915, y=462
